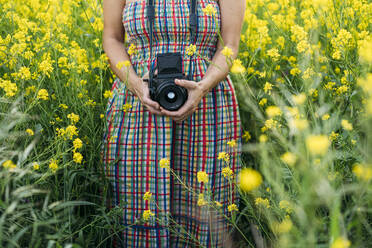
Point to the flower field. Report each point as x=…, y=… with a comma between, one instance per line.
x=303, y=78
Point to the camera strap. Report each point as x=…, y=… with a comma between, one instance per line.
x=150, y=10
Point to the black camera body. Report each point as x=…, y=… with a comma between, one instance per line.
x=163, y=88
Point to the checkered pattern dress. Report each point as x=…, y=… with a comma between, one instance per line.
x=135, y=140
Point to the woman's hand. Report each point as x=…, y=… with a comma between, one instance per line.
x=141, y=90
x=195, y=94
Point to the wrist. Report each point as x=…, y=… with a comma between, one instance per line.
x=205, y=85
x=136, y=85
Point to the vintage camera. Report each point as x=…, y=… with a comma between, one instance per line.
x=163, y=88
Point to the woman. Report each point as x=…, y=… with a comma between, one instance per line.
x=141, y=136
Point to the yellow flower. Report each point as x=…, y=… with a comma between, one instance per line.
x=300, y=124
x=295, y=71
x=283, y=204
x=77, y=143
x=126, y=107
x=333, y=136
x=29, y=131
x=225, y=156
x=202, y=176
x=363, y=171
x=77, y=157
x=53, y=165
x=262, y=202
x=64, y=106
x=107, y=94
x=227, y=172
x=262, y=138
x=289, y=158
x=284, y=226
x=249, y=179
x=71, y=130
x=209, y=10
x=273, y=53
x=164, y=163
x=190, y=50
x=268, y=87
x=101, y=116
x=8, y=164
x=246, y=136
x=218, y=204
x=263, y=101
x=132, y=49
x=42, y=94
x=272, y=111
x=36, y=166
x=237, y=67
x=147, y=196
x=346, y=125
x=73, y=117
x=232, y=207
x=325, y=117
x=147, y=214
x=317, y=144
x=121, y=64
x=201, y=200
x=299, y=99
x=341, y=242
x=227, y=52
x=231, y=143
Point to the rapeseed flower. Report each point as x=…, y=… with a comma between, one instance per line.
x=227, y=172
x=77, y=157
x=237, y=67
x=225, y=156
x=147, y=214
x=289, y=158
x=8, y=164
x=232, y=207
x=42, y=94
x=227, y=52
x=30, y=132
x=209, y=10
x=250, y=179
x=341, y=242
x=147, y=196
x=264, y=202
x=164, y=163
x=190, y=50
x=201, y=200
x=53, y=165
x=202, y=177
x=317, y=144
x=346, y=125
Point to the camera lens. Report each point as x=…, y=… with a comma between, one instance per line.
x=171, y=96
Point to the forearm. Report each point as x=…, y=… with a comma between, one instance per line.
x=218, y=69
x=116, y=52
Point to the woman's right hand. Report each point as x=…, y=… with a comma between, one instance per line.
x=141, y=89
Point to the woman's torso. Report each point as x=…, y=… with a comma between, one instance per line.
x=170, y=32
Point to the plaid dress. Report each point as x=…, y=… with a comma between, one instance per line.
x=135, y=140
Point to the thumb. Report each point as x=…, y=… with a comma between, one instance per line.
x=186, y=83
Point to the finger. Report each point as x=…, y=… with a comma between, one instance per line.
x=147, y=99
x=184, y=116
x=153, y=104
x=147, y=74
x=173, y=114
x=186, y=83
x=153, y=111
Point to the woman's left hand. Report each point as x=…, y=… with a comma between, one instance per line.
x=195, y=94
